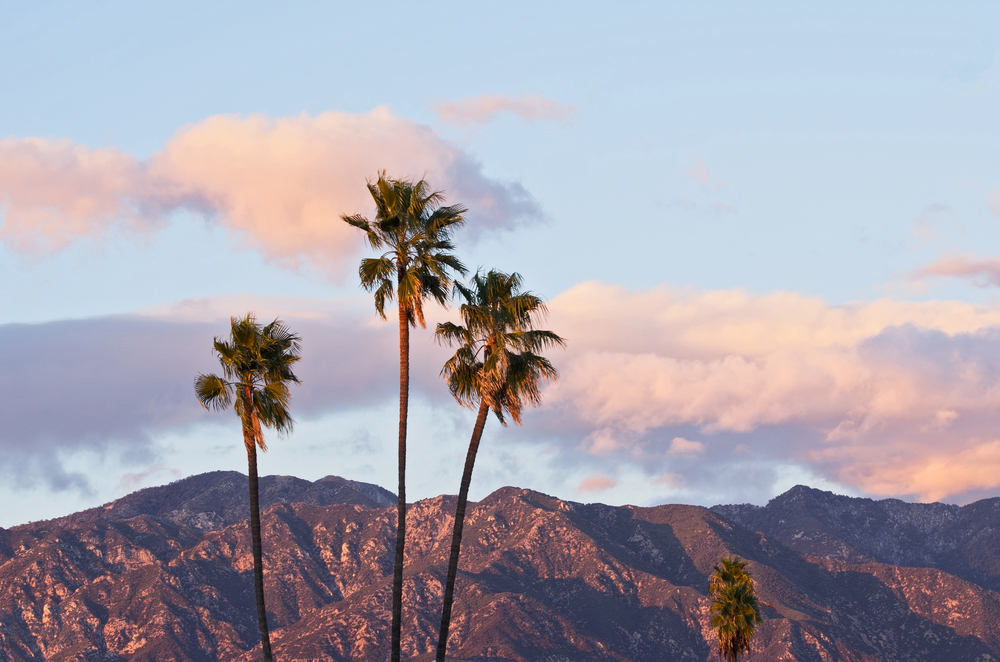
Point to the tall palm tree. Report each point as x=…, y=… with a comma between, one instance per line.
x=257, y=369
x=415, y=230
x=735, y=608
x=497, y=367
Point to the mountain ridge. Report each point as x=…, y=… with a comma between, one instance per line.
x=541, y=578
x=225, y=491
x=958, y=539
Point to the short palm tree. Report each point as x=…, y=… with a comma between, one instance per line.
x=414, y=229
x=735, y=609
x=497, y=367
x=257, y=369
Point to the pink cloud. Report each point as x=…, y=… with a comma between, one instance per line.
x=280, y=185
x=132, y=481
x=982, y=272
x=483, y=109
x=932, y=476
x=873, y=391
x=52, y=192
x=596, y=483
x=685, y=447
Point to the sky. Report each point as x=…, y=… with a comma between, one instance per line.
x=770, y=235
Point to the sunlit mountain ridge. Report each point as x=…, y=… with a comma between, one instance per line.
x=165, y=574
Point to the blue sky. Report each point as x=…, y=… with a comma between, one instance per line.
x=778, y=224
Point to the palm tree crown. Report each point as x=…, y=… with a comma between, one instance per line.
x=411, y=223
x=257, y=369
x=735, y=608
x=498, y=362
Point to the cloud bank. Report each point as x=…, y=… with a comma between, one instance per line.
x=678, y=388
x=279, y=185
x=891, y=398
x=114, y=384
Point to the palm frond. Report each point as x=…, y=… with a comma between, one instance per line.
x=376, y=271
x=214, y=393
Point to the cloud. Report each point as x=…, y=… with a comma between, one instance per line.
x=55, y=191
x=483, y=109
x=278, y=184
x=868, y=394
x=134, y=480
x=115, y=384
x=720, y=392
x=685, y=447
x=983, y=272
x=671, y=480
x=596, y=483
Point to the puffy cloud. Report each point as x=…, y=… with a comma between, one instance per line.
x=685, y=323
x=893, y=398
x=483, y=108
x=52, y=192
x=279, y=184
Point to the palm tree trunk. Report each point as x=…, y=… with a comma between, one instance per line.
x=404, y=396
x=456, y=536
x=258, y=563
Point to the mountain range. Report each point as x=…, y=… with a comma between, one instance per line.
x=165, y=574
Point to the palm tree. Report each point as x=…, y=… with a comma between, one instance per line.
x=735, y=608
x=257, y=369
x=415, y=230
x=497, y=367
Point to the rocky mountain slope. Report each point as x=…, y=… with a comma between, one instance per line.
x=963, y=541
x=165, y=574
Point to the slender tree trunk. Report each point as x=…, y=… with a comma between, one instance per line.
x=258, y=563
x=456, y=536
x=404, y=396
